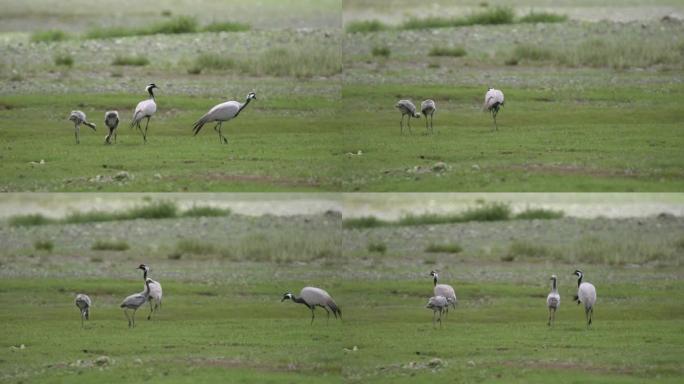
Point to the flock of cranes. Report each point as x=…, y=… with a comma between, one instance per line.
x=147, y=108
x=494, y=100
x=220, y=113
x=312, y=297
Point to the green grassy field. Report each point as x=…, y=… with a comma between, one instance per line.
x=222, y=317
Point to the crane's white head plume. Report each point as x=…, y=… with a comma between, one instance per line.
x=554, y=277
x=434, y=274
x=286, y=296
x=150, y=87
x=579, y=273
x=251, y=96
x=144, y=267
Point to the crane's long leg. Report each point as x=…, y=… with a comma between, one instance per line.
x=82, y=319
x=550, y=312
x=408, y=121
x=494, y=112
x=432, y=122
x=76, y=133
x=151, y=310
x=115, y=135
x=312, y=315
x=127, y=317
x=440, y=317
x=225, y=141
x=401, y=125
x=146, y=124
x=426, y=124
x=216, y=129
x=434, y=314
x=328, y=312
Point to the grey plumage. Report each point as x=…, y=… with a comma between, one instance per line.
x=428, y=108
x=220, y=113
x=78, y=117
x=553, y=300
x=444, y=290
x=438, y=304
x=407, y=108
x=586, y=294
x=134, y=302
x=494, y=100
x=83, y=303
x=112, y=122
x=155, y=293
x=145, y=109
x=314, y=297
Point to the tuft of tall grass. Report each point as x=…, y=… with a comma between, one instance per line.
x=49, y=36
x=295, y=61
x=29, y=220
x=205, y=211
x=543, y=17
x=539, y=214
x=457, y=51
x=227, y=26
x=211, y=61
x=109, y=245
x=444, y=248
x=377, y=247
x=194, y=247
x=43, y=245
x=383, y=51
x=531, y=52
x=130, y=60
x=364, y=222
x=366, y=26
x=489, y=16
x=175, y=25
x=523, y=248
x=64, y=59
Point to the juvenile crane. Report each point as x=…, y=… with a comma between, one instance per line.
x=155, y=296
x=428, y=108
x=78, y=117
x=438, y=304
x=406, y=108
x=112, y=122
x=314, y=297
x=83, y=303
x=220, y=113
x=586, y=294
x=553, y=300
x=445, y=290
x=494, y=99
x=134, y=302
x=145, y=109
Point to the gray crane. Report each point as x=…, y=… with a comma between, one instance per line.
x=444, y=290
x=494, y=99
x=407, y=108
x=134, y=302
x=83, y=303
x=553, y=300
x=314, y=297
x=438, y=304
x=220, y=113
x=145, y=109
x=112, y=122
x=78, y=117
x=428, y=108
x=155, y=296
x=586, y=294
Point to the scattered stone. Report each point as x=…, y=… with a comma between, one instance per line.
x=436, y=363
x=439, y=166
x=138, y=361
x=15, y=348
x=122, y=176
x=475, y=167
x=471, y=363
x=158, y=176
x=103, y=361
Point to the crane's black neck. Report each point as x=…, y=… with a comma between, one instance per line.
x=579, y=281
x=299, y=300
x=435, y=280
x=151, y=93
x=243, y=106
x=145, y=275
x=553, y=286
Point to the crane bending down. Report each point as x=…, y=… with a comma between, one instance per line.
x=428, y=108
x=314, y=297
x=78, y=117
x=407, y=108
x=553, y=300
x=83, y=303
x=134, y=302
x=155, y=296
x=437, y=304
x=220, y=113
x=444, y=290
x=112, y=122
x=586, y=294
x=145, y=109
x=494, y=99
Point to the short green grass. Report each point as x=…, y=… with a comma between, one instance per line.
x=49, y=36
x=621, y=138
x=139, y=61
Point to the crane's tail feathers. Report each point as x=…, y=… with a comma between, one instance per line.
x=87, y=314
x=136, y=119
x=91, y=125
x=199, y=124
